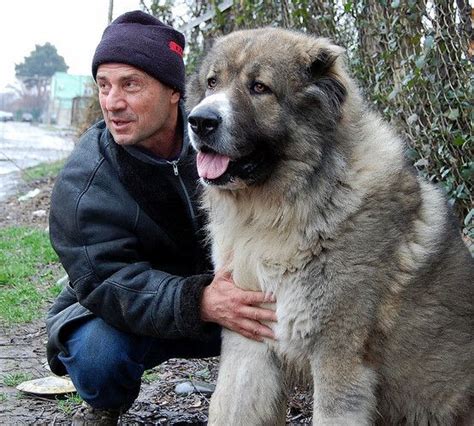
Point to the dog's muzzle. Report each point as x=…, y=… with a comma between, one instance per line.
x=220, y=160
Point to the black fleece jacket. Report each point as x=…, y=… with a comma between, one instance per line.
x=128, y=233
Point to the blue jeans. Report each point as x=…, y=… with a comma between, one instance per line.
x=106, y=365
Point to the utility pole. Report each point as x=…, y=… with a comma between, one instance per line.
x=111, y=10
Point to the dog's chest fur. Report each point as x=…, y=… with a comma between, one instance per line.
x=273, y=258
x=259, y=254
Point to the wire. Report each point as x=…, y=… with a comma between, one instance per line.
x=23, y=171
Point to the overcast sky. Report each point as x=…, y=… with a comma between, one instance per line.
x=73, y=26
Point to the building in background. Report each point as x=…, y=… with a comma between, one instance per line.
x=68, y=99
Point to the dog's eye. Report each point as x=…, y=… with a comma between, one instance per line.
x=211, y=83
x=259, y=88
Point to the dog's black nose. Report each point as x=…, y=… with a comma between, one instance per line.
x=204, y=120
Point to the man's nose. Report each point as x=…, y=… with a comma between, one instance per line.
x=115, y=100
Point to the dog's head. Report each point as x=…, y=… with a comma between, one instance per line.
x=254, y=94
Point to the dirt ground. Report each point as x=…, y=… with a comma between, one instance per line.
x=22, y=350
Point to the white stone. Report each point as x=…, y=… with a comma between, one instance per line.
x=39, y=213
x=51, y=385
x=194, y=387
x=31, y=194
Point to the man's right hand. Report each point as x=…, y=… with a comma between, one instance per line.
x=236, y=309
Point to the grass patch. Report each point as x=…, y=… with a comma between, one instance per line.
x=150, y=376
x=3, y=397
x=26, y=277
x=69, y=404
x=15, y=379
x=44, y=170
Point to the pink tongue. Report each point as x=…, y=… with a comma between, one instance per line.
x=211, y=166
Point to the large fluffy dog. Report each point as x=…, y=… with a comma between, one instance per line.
x=309, y=194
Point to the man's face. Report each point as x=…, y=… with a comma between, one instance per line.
x=137, y=108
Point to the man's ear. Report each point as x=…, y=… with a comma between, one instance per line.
x=175, y=96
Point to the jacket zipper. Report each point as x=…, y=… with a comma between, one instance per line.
x=174, y=164
x=175, y=167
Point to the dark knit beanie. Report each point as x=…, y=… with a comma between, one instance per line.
x=141, y=40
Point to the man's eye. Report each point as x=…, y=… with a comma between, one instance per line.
x=259, y=88
x=131, y=84
x=102, y=87
x=211, y=83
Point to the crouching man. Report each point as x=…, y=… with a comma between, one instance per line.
x=125, y=225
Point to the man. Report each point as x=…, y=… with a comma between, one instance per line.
x=125, y=225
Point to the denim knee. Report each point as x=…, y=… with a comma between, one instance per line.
x=105, y=364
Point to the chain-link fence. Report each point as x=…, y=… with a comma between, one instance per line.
x=413, y=60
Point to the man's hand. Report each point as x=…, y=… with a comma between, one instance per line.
x=229, y=306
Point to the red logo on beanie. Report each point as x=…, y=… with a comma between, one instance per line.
x=175, y=47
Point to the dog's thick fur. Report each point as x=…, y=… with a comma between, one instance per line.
x=373, y=283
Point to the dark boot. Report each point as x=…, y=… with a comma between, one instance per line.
x=89, y=416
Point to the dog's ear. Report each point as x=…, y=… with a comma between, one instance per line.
x=322, y=63
x=325, y=88
x=322, y=59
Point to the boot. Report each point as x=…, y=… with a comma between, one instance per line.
x=89, y=416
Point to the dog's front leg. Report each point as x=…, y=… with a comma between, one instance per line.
x=249, y=389
x=343, y=389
